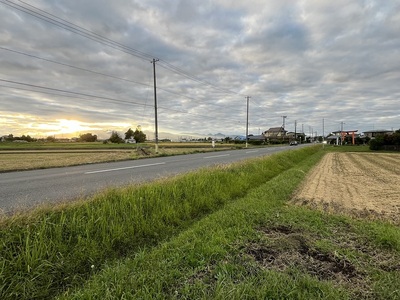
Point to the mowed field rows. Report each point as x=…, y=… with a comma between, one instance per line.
x=365, y=184
x=25, y=159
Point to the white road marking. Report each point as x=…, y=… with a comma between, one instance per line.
x=124, y=168
x=251, y=151
x=216, y=156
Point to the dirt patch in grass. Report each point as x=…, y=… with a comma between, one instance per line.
x=284, y=249
x=289, y=248
x=362, y=184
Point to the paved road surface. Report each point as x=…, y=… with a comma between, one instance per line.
x=26, y=189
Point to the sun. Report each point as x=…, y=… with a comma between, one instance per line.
x=70, y=126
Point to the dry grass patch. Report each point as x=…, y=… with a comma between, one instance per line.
x=362, y=184
x=39, y=160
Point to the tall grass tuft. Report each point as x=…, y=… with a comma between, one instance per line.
x=51, y=250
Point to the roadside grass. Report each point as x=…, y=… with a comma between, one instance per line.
x=51, y=250
x=348, y=148
x=260, y=247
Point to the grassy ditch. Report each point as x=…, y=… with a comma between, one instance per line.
x=260, y=247
x=50, y=251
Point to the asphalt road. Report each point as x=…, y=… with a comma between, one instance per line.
x=27, y=189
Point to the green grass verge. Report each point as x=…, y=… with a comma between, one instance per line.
x=50, y=251
x=259, y=247
x=348, y=148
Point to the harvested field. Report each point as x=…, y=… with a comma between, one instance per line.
x=19, y=160
x=362, y=184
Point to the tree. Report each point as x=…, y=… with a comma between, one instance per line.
x=28, y=138
x=88, y=137
x=139, y=136
x=51, y=139
x=227, y=139
x=116, y=138
x=129, y=134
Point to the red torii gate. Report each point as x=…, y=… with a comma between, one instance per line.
x=344, y=133
x=348, y=132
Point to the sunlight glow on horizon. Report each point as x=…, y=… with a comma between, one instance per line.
x=37, y=127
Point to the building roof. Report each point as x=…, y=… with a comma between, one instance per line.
x=344, y=131
x=377, y=131
x=275, y=129
x=256, y=138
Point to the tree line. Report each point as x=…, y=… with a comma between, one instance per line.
x=138, y=136
x=386, y=142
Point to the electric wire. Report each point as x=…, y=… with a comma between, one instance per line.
x=73, y=93
x=64, y=24
x=107, y=75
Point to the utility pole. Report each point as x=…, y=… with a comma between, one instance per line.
x=295, y=130
x=283, y=119
x=283, y=126
x=341, y=133
x=323, y=133
x=155, y=103
x=247, y=121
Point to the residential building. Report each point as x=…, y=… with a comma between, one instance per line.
x=374, y=133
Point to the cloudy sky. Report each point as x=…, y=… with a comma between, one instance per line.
x=72, y=67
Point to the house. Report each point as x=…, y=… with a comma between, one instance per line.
x=240, y=138
x=374, y=133
x=275, y=132
x=298, y=136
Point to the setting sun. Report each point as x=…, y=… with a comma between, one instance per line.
x=71, y=126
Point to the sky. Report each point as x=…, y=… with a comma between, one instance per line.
x=75, y=67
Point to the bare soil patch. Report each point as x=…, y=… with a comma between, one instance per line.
x=288, y=250
x=362, y=184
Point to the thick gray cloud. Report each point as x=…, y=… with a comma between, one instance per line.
x=308, y=60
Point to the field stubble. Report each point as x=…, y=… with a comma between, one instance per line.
x=362, y=184
x=39, y=159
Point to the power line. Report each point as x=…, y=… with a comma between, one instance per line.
x=70, y=92
x=73, y=94
x=69, y=26
x=103, y=74
x=74, y=67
